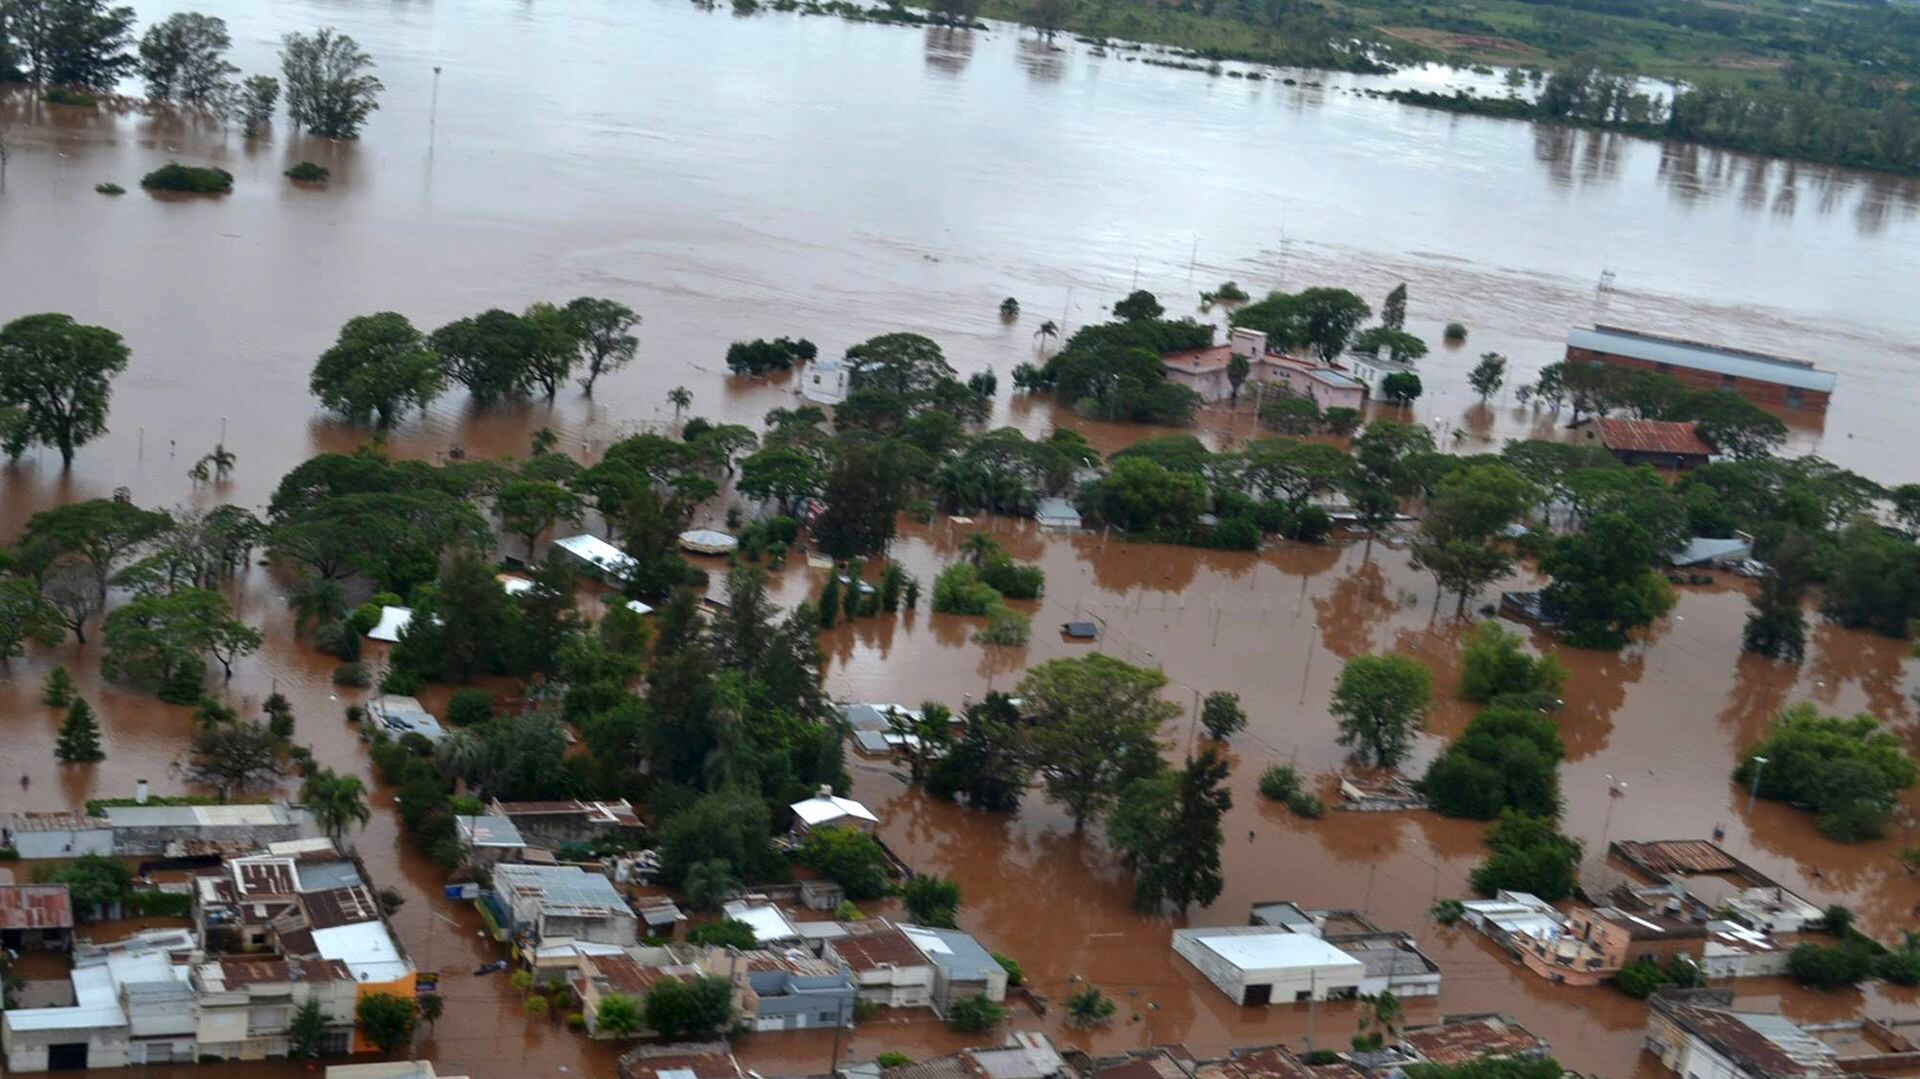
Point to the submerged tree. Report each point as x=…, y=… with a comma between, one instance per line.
x=378, y=368
x=1167, y=830
x=183, y=58
x=58, y=374
x=1381, y=702
x=603, y=330
x=1777, y=626
x=79, y=736
x=329, y=90
x=257, y=97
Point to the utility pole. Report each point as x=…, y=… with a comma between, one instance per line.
x=1753, y=793
x=833, y=1065
x=1313, y=999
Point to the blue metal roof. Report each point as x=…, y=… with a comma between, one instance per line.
x=1700, y=357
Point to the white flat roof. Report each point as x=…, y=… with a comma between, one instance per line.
x=392, y=621
x=242, y=815
x=832, y=807
x=366, y=948
x=593, y=549
x=638, y=607
x=1277, y=949
x=765, y=919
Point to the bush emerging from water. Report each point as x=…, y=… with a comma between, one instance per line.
x=1456, y=332
x=110, y=188
x=61, y=96
x=190, y=179
x=307, y=172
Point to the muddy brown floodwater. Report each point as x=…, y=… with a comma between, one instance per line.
x=733, y=178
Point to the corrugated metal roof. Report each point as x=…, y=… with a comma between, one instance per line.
x=1698, y=356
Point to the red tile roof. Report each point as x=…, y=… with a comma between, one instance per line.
x=1653, y=436
x=35, y=906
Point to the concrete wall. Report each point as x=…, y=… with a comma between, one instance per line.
x=75, y=844
x=27, y=1049
x=612, y=929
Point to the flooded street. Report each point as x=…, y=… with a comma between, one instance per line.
x=734, y=178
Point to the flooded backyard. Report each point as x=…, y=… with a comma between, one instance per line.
x=735, y=178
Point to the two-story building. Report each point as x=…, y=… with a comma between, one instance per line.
x=543, y=902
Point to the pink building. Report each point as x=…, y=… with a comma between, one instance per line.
x=1204, y=371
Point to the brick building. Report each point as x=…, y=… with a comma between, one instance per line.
x=1761, y=378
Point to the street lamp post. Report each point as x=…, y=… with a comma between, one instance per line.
x=1753, y=793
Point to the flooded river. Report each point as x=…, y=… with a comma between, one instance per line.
x=734, y=178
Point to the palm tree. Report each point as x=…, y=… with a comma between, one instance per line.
x=336, y=801
x=217, y=465
x=1047, y=332
x=979, y=546
x=680, y=398
x=459, y=753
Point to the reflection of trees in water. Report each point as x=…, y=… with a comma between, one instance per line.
x=1760, y=686
x=1350, y=611
x=1839, y=655
x=1596, y=688
x=947, y=49
x=1694, y=173
x=1043, y=62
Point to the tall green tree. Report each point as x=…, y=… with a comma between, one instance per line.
x=988, y=764
x=1777, y=625
x=157, y=639
x=81, y=43
x=603, y=330
x=58, y=375
x=1331, y=315
x=386, y=1020
x=1222, y=715
x=1139, y=306
x=863, y=493
x=26, y=616
x=378, y=368
x=527, y=508
x=1095, y=727
x=1604, y=582
x=236, y=756
x=1381, y=702
x=336, y=801
x=931, y=899
x=1461, y=538
x=1393, y=311
x=183, y=58
x=329, y=89
x=678, y=1009
x=1488, y=375
x=556, y=347
x=491, y=353
x=1167, y=828
x=255, y=102
x=79, y=736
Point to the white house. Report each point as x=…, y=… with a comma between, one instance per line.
x=768, y=924
x=824, y=382
x=603, y=558
x=828, y=810
x=1257, y=965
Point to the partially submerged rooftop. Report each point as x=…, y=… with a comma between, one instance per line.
x=1461, y=1039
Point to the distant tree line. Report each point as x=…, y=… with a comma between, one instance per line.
x=88, y=46
x=1832, y=118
